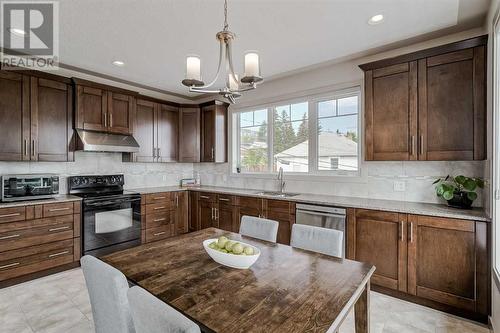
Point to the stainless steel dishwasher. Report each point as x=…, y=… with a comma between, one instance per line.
x=324, y=217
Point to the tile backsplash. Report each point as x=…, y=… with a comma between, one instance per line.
x=88, y=163
x=376, y=180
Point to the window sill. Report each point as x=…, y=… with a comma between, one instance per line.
x=354, y=177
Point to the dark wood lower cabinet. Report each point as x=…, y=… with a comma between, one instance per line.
x=284, y=213
x=439, y=262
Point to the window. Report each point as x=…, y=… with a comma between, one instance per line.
x=314, y=135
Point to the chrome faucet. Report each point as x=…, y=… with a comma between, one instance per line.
x=281, y=180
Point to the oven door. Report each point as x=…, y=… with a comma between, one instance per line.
x=111, y=224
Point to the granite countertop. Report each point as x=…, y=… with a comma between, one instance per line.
x=59, y=198
x=476, y=214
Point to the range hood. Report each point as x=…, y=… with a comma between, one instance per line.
x=106, y=142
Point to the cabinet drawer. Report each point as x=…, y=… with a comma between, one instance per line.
x=17, y=235
x=12, y=214
x=58, y=209
x=159, y=207
x=162, y=232
x=225, y=199
x=36, y=258
x=157, y=220
x=204, y=196
x=157, y=197
x=249, y=202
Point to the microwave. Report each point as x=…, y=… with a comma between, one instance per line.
x=29, y=187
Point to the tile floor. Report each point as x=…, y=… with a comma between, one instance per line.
x=59, y=304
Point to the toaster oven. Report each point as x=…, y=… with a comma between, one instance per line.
x=29, y=187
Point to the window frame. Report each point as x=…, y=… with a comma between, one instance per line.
x=312, y=100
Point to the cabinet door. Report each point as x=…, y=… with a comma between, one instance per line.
x=451, y=106
x=442, y=260
x=167, y=124
x=145, y=131
x=121, y=109
x=208, y=134
x=14, y=116
x=91, y=108
x=206, y=214
x=380, y=239
x=181, y=211
x=284, y=213
x=226, y=217
x=189, y=135
x=51, y=120
x=193, y=221
x=391, y=113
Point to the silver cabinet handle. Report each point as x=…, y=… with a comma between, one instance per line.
x=9, y=237
x=60, y=228
x=33, y=148
x=213, y=153
x=223, y=199
x=58, y=254
x=402, y=233
x=10, y=215
x=212, y=213
x=159, y=233
x=157, y=208
x=176, y=200
x=58, y=209
x=204, y=197
x=105, y=119
x=9, y=265
x=216, y=213
x=159, y=198
x=159, y=220
x=411, y=232
x=158, y=152
x=412, y=145
x=25, y=147
x=110, y=119
x=421, y=145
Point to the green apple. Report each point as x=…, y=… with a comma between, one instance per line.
x=237, y=248
x=248, y=250
x=213, y=245
x=221, y=242
x=229, y=245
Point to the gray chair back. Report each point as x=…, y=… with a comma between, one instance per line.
x=317, y=239
x=257, y=227
x=151, y=315
x=107, y=288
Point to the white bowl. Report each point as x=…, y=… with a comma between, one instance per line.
x=232, y=260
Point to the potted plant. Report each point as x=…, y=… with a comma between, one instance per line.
x=459, y=191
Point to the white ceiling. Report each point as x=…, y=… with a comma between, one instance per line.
x=153, y=36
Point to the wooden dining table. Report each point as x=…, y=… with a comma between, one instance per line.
x=286, y=290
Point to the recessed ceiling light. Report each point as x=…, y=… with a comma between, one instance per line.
x=118, y=63
x=17, y=32
x=376, y=19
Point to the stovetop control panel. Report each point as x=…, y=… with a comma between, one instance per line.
x=81, y=182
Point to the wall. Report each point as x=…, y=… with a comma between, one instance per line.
x=377, y=178
x=88, y=163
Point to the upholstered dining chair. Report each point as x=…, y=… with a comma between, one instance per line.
x=260, y=228
x=151, y=315
x=317, y=239
x=107, y=289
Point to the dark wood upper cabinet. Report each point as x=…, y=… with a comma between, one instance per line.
x=91, y=108
x=167, y=128
x=121, y=111
x=144, y=132
x=391, y=112
x=104, y=108
x=189, y=134
x=51, y=120
x=214, y=132
x=14, y=116
x=428, y=105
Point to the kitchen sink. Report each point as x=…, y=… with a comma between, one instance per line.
x=277, y=194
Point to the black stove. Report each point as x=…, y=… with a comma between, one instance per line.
x=111, y=215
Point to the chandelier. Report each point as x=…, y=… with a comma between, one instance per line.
x=233, y=87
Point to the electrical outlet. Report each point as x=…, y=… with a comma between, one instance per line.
x=399, y=186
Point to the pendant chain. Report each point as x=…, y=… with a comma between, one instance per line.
x=226, y=26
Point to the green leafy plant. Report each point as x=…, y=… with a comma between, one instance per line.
x=450, y=186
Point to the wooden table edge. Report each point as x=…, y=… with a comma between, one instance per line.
x=365, y=285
